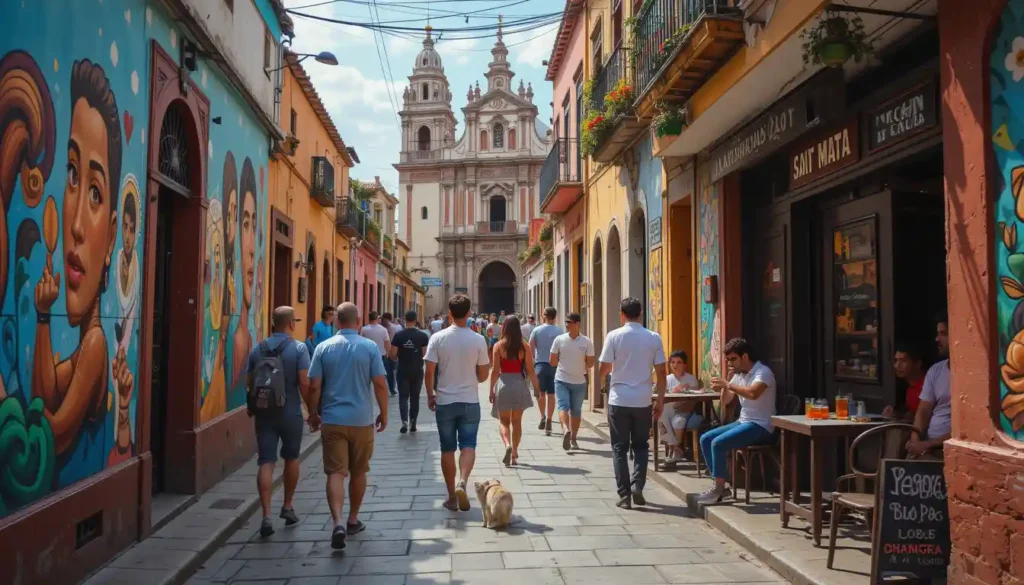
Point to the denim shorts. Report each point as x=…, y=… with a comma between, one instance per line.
x=457, y=425
x=286, y=429
x=570, y=397
x=546, y=376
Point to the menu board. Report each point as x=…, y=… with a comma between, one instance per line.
x=912, y=532
x=855, y=290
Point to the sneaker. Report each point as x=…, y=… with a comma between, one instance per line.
x=338, y=538
x=638, y=498
x=404, y=429
x=543, y=422
x=547, y=428
x=674, y=458
x=624, y=503
x=566, y=440
x=575, y=446
x=412, y=427
x=289, y=516
x=713, y=495
x=461, y=496
x=266, y=528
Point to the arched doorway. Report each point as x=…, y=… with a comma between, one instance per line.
x=597, y=301
x=638, y=259
x=424, y=137
x=613, y=265
x=497, y=288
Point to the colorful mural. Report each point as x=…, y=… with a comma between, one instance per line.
x=649, y=186
x=71, y=160
x=1007, y=95
x=654, y=283
x=710, y=327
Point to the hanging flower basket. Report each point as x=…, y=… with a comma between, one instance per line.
x=834, y=40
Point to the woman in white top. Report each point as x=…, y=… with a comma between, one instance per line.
x=677, y=417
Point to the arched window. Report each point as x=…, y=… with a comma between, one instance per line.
x=423, y=212
x=512, y=139
x=499, y=136
x=426, y=92
x=423, y=137
x=483, y=140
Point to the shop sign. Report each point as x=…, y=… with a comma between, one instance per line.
x=654, y=233
x=804, y=109
x=429, y=281
x=902, y=117
x=824, y=155
x=912, y=531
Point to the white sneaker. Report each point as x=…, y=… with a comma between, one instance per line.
x=713, y=495
x=674, y=458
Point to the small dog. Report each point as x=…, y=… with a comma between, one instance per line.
x=496, y=503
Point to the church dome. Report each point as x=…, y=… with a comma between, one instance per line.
x=428, y=57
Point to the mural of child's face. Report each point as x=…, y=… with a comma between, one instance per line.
x=232, y=216
x=128, y=234
x=248, y=245
x=89, y=225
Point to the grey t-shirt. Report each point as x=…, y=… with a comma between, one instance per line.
x=294, y=359
x=544, y=336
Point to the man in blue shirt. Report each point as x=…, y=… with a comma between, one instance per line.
x=349, y=372
x=286, y=426
x=541, y=340
x=323, y=329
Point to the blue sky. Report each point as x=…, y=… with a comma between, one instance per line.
x=356, y=90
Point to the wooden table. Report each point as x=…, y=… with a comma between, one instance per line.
x=703, y=397
x=815, y=430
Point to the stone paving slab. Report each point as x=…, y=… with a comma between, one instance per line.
x=566, y=528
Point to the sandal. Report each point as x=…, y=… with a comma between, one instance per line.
x=508, y=456
x=451, y=505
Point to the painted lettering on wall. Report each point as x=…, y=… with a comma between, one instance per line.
x=824, y=155
x=903, y=117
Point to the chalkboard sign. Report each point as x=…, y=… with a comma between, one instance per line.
x=912, y=532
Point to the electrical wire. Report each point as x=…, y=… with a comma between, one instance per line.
x=391, y=86
x=380, y=60
x=519, y=25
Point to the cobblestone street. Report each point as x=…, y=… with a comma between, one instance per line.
x=568, y=530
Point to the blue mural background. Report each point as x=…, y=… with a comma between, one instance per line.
x=63, y=411
x=1007, y=103
x=649, y=184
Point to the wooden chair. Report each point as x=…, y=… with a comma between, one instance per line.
x=748, y=455
x=890, y=443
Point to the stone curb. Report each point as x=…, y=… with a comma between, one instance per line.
x=790, y=571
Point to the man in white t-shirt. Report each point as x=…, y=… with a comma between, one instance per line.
x=572, y=356
x=754, y=384
x=677, y=417
x=378, y=334
x=528, y=327
x=630, y=354
x=459, y=356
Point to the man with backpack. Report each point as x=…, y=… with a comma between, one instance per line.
x=277, y=384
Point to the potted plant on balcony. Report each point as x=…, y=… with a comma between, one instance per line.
x=618, y=101
x=545, y=231
x=595, y=128
x=834, y=40
x=670, y=120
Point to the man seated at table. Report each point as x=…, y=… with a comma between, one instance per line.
x=677, y=417
x=754, y=384
x=934, y=415
x=908, y=362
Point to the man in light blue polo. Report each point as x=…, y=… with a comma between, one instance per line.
x=349, y=371
x=541, y=340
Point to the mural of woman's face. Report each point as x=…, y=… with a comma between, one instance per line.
x=232, y=219
x=248, y=245
x=89, y=224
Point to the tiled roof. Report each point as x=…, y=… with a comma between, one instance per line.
x=570, y=17
x=302, y=78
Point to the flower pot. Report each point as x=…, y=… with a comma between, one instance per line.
x=672, y=128
x=835, y=54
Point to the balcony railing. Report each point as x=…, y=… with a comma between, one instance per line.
x=661, y=27
x=496, y=227
x=561, y=166
x=321, y=187
x=350, y=219
x=613, y=70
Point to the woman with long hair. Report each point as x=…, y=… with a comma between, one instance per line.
x=510, y=395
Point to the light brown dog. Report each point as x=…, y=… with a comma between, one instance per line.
x=496, y=503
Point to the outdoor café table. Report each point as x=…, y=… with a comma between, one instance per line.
x=702, y=397
x=815, y=430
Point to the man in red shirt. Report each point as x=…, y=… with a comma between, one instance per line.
x=908, y=362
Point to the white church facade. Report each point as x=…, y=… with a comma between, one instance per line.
x=468, y=202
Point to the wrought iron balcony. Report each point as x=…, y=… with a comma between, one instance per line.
x=350, y=219
x=608, y=76
x=321, y=187
x=496, y=227
x=625, y=126
x=560, y=177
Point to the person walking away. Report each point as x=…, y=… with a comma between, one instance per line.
x=934, y=414
x=541, y=340
x=436, y=325
x=347, y=372
x=527, y=327
x=459, y=357
x=754, y=384
x=493, y=330
x=379, y=334
x=408, y=347
x=323, y=329
x=389, y=364
x=572, y=356
x=678, y=417
x=278, y=366
x=509, y=394
x=629, y=355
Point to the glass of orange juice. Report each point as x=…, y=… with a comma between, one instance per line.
x=809, y=407
x=843, y=406
x=822, y=409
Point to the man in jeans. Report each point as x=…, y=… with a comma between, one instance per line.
x=541, y=340
x=380, y=335
x=460, y=357
x=630, y=354
x=349, y=371
x=408, y=347
x=754, y=384
x=572, y=356
x=286, y=426
x=392, y=328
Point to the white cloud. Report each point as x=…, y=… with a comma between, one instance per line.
x=402, y=47
x=377, y=129
x=347, y=85
x=535, y=49
x=463, y=50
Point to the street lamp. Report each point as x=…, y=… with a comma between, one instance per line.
x=324, y=57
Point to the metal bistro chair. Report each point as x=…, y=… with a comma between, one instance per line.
x=746, y=456
x=890, y=443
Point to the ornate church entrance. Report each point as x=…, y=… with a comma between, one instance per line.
x=497, y=289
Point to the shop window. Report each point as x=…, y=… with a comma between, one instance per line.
x=855, y=273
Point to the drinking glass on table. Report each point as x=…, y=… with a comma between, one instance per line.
x=821, y=409
x=843, y=406
x=809, y=407
x=861, y=410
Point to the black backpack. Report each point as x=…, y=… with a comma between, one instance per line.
x=268, y=392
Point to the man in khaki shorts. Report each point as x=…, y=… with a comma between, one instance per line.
x=347, y=373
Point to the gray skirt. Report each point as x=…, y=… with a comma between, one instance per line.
x=512, y=392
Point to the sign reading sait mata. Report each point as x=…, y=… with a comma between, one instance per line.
x=824, y=154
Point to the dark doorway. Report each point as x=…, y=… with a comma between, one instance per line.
x=497, y=216
x=326, y=277
x=282, y=275
x=638, y=260
x=311, y=304
x=161, y=330
x=597, y=300
x=613, y=292
x=497, y=289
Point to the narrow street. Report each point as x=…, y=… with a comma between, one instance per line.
x=568, y=530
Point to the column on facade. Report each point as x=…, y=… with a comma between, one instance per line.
x=522, y=204
x=447, y=206
x=470, y=194
x=408, y=215
x=531, y=203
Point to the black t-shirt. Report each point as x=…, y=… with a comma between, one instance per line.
x=410, y=343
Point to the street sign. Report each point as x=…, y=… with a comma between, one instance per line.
x=429, y=281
